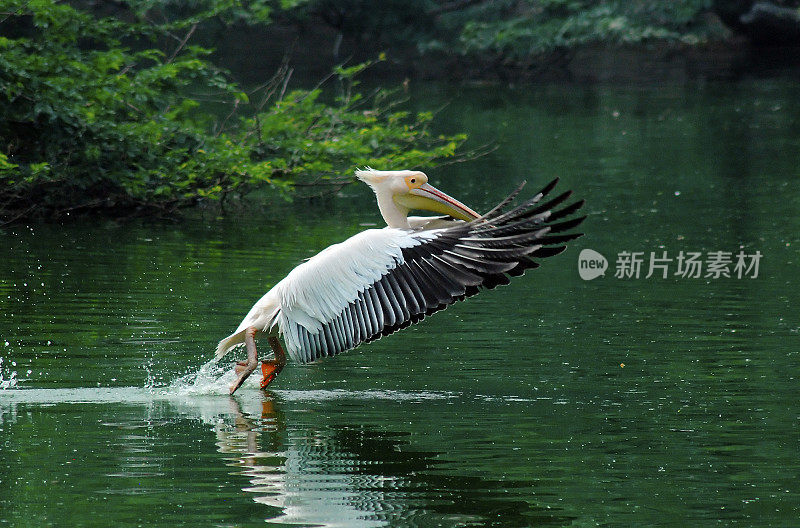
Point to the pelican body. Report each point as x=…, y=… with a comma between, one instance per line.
x=382, y=280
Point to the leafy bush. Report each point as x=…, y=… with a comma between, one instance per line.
x=101, y=114
x=536, y=27
x=512, y=29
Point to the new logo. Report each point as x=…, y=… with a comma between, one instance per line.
x=591, y=264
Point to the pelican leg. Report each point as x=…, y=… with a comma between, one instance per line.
x=245, y=368
x=271, y=368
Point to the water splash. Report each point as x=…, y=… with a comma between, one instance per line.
x=151, y=382
x=11, y=381
x=211, y=378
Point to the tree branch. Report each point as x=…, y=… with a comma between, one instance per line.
x=182, y=43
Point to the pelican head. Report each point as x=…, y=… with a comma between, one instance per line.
x=400, y=191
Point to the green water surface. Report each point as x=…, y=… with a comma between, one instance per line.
x=554, y=401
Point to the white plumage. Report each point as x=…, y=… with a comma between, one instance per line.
x=382, y=280
x=308, y=297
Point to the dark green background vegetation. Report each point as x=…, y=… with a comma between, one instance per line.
x=122, y=107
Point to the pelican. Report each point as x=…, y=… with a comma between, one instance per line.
x=382, y=280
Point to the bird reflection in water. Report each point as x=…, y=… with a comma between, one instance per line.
x=350, y=476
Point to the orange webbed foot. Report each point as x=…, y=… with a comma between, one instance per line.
x=270, y=370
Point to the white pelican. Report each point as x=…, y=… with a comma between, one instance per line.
x=382, y=280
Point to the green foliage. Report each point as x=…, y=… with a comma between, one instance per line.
x=103, y=114
x=515, y=29
x=537, y=27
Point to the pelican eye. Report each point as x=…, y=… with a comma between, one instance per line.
x=413, y=181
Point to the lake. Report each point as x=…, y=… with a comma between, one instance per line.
x=658, y=394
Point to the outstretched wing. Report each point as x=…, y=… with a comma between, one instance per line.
x=381, y=281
